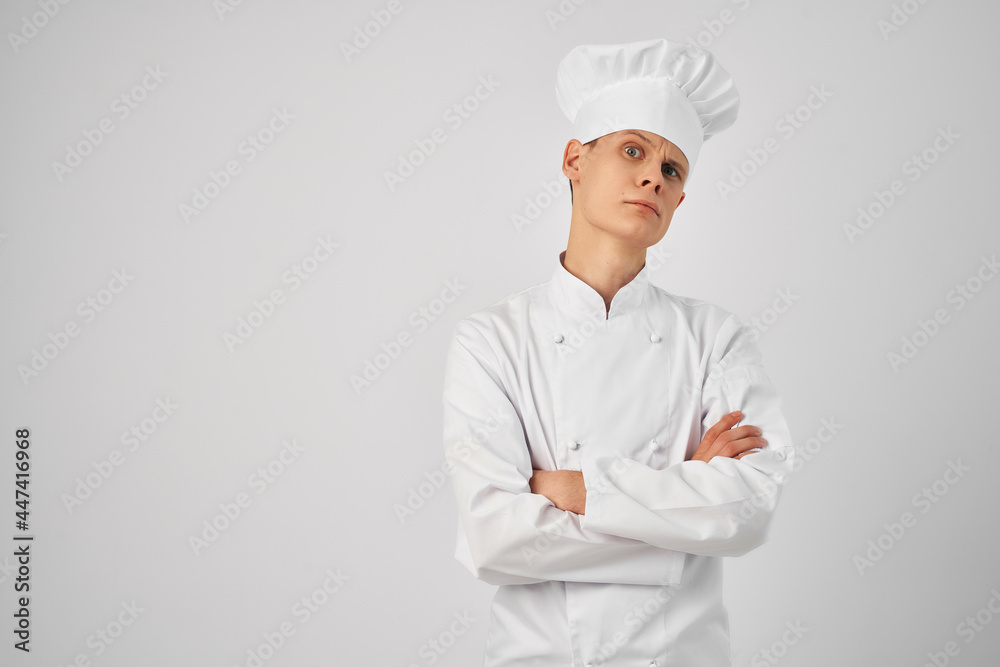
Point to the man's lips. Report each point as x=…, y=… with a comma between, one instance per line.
x=647, y=204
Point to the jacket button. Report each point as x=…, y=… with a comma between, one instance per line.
x=652, y=444
x=558, y=338
x=654, y=338
x=573, y=444
x=780, y=455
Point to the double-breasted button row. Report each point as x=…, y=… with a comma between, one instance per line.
x=653, y=338
x=574, y=445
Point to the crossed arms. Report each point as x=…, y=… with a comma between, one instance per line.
x=616, y=520
x=566, y=489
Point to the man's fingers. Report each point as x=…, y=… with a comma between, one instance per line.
x=725, y=440
x=739, y=440
x=750, y=451
x=742, y=446
x=707, y=446
x=732, y=435
x=724, y=424
x=535, y=480
x=738, y=433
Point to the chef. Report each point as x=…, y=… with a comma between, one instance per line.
x=610, y=441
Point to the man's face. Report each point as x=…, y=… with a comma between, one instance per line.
x=614, y=180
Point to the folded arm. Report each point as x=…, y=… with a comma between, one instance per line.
x=509, y=535
x=714, y=503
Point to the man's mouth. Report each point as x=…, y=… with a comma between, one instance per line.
x=648, y=205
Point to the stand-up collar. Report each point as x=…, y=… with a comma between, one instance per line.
x=572, y=294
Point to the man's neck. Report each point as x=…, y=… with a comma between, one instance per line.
x=607, y=265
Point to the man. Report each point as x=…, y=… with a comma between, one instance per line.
x=591, y=421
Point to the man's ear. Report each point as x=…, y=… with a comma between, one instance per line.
x=683, y=195
x=571, y=160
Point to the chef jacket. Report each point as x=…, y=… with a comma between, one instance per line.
x=550, y=379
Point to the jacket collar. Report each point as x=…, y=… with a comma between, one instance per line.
x=573, y=295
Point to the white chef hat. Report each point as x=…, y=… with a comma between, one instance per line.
x=676, y=90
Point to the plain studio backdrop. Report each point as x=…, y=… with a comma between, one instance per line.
x=235, y=238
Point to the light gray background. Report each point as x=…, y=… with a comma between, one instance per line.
x=364, y=454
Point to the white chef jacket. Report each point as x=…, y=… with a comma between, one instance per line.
x=549, y=379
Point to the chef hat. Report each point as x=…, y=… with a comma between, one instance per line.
x=676, y=90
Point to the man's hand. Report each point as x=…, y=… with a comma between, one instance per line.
x=724, y=440
x=563, y=487
x=566, y=490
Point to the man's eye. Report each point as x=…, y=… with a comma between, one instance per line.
x=632, y=151
x=669, y=171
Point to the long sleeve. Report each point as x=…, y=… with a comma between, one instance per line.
x=507, y=534
x=720, y=508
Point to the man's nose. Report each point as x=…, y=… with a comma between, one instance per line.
x=655, y=180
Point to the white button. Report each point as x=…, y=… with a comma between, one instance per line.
x=573, y=444
x=655, y=338
x=558, y=338
x=653, y=664
x=653, y=444
x=780, y=455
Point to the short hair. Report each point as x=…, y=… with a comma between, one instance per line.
x=592, y=143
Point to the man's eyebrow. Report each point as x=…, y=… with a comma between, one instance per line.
x=673, y=163
x=641, y=136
